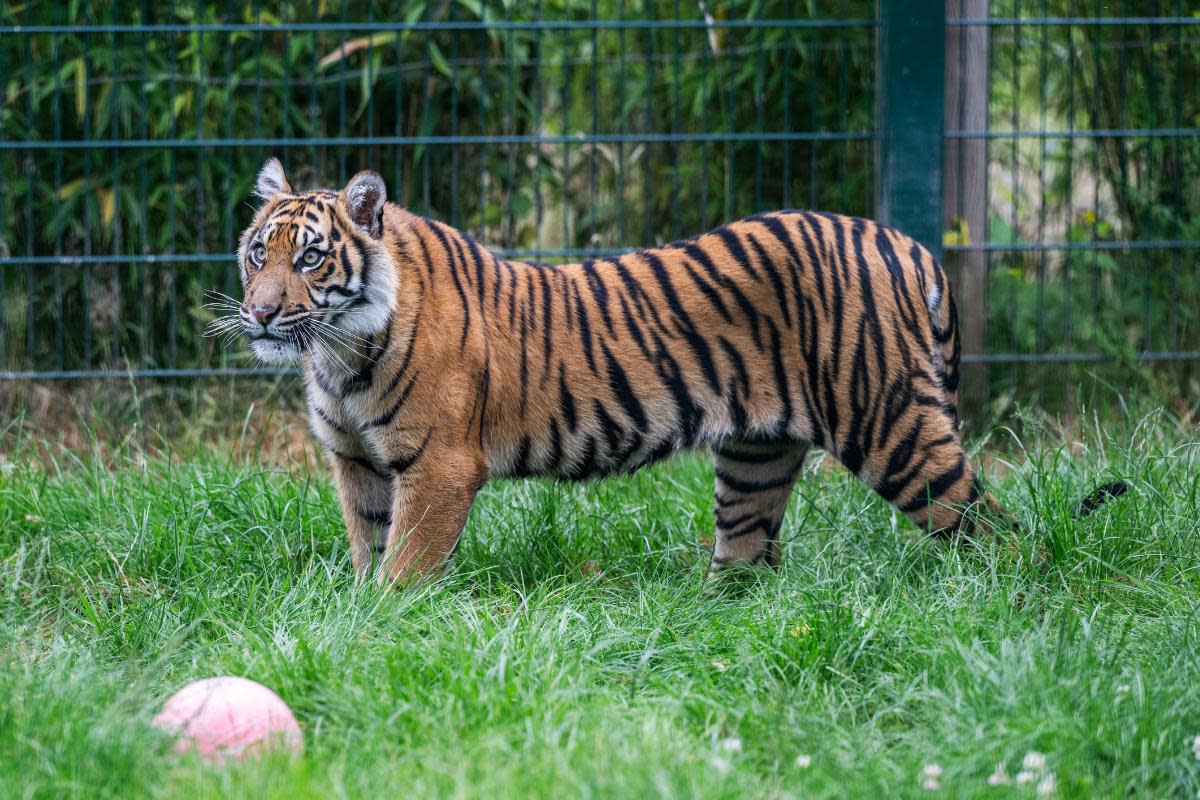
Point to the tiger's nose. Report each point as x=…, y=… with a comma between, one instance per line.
x=264, y=314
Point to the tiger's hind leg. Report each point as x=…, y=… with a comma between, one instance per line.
x=922, y=469
x=754, y=483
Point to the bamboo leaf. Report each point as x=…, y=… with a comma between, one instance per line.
x=346, y=49
x=439, y=60
x=70, y=189
x=80, y=88
x=108, y=206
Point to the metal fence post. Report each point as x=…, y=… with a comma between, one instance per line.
x=911, y=77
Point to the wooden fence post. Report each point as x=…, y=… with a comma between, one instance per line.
x=965, y=193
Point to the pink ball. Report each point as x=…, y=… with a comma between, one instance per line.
x=229, y=718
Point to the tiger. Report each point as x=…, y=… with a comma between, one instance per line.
x=431, y=365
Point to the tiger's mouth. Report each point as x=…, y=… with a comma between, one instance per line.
x=270, y=349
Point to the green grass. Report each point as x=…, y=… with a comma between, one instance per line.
x=575, y=651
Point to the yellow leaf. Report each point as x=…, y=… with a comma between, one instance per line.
x=959, y=233
x=108, y=205
x=70, y=189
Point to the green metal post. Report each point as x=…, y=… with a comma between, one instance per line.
x=911, y=78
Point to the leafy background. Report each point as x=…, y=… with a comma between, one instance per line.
x=185, y=101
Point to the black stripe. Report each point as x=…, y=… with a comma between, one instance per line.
x=547, y=323
x=763, y=525
x=752, y=456
x=818, y=268
x=388, y=415
x=358, y=461
x=734, y=245
x=619, y=383
x=690, y=415
x=363, y=255
x=746, y=486
x=556, y=451
x=585, y=328
x=328, y=420
x=520, y=467
x=894, y=478
x=724, y=523
x=401, y=465
x=404, y=360
x=698, y=255
x=383, y=517
x=667, y=288
x=781, y=381
x=599, y=293
x=738, y=364
x=707, y=290
x=462, y=294
x=614, y=434
x=566, y=398
x=523, y=370
x=512, y=292
x=780, y=292
x=937, y=487
x=587, y=464
x=634, y=329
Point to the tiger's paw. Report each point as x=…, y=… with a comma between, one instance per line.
x=734, y=577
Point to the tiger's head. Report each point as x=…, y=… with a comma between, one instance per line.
x=314, y=264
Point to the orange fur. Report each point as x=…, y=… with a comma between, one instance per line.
x=759, y=339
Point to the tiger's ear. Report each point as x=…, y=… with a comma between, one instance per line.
x=364, y=196
x=271, y=180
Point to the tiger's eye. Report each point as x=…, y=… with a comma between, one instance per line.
x=311, y=258
x=258, y=253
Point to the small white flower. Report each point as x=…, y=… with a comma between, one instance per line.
x=932, y=771
x=1047, y=785
x=1034, y=761
x=1024, y=777
x=720, y=764
x=803, y=761
x=998, y=778
x=1196, y=747
x=931, y=784
x=1123, y=688
x=731, y=745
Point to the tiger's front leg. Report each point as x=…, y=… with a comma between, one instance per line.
x=433, y=487
x=365, y=495
x=364, y=487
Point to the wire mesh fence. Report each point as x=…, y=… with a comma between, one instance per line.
x=130, y=135
x=1071, y=207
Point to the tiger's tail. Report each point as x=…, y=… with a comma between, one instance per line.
x=994, y=518
x=1096, y=498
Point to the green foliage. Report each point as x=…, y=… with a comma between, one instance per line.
x=308, y=86
x=574, y=650
x=1137, y=187
x=388, y=91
